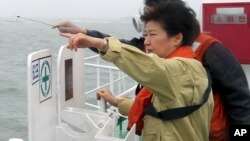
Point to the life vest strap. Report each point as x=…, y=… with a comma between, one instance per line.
x=179, y=112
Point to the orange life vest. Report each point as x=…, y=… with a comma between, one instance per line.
x=220, y=118
x=143, y=98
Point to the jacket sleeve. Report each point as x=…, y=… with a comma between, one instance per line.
x=139, y=43
x=229, y=80
x=147, y=69
x=124, y=105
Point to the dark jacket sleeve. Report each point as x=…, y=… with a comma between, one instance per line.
x=139, y=43
x=229, y=80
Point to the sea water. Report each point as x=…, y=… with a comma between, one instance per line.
x=17, y=40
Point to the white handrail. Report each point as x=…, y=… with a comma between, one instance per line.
x=102, y=66
x=105, y=85
x=91, y=57
x=119, y=81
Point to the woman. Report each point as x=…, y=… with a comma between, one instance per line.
x=171, y=77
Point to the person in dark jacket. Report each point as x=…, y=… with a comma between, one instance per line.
x=228, y=77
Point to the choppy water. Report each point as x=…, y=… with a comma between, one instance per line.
x=17, y=40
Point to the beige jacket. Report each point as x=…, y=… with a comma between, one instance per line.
x=174, y=82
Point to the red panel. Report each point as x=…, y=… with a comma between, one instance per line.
x=236, y=37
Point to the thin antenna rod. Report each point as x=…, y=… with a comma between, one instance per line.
x=35, y=21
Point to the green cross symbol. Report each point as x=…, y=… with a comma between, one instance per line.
x=46, y=78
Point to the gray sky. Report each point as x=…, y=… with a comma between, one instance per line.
x=70, y=8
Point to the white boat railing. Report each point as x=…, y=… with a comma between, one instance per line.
x=94, y=63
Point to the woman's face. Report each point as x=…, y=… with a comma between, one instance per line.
x=157, y=40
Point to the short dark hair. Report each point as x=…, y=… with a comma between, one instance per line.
x=175, y=18
x=155, y=2
x=151, y=2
